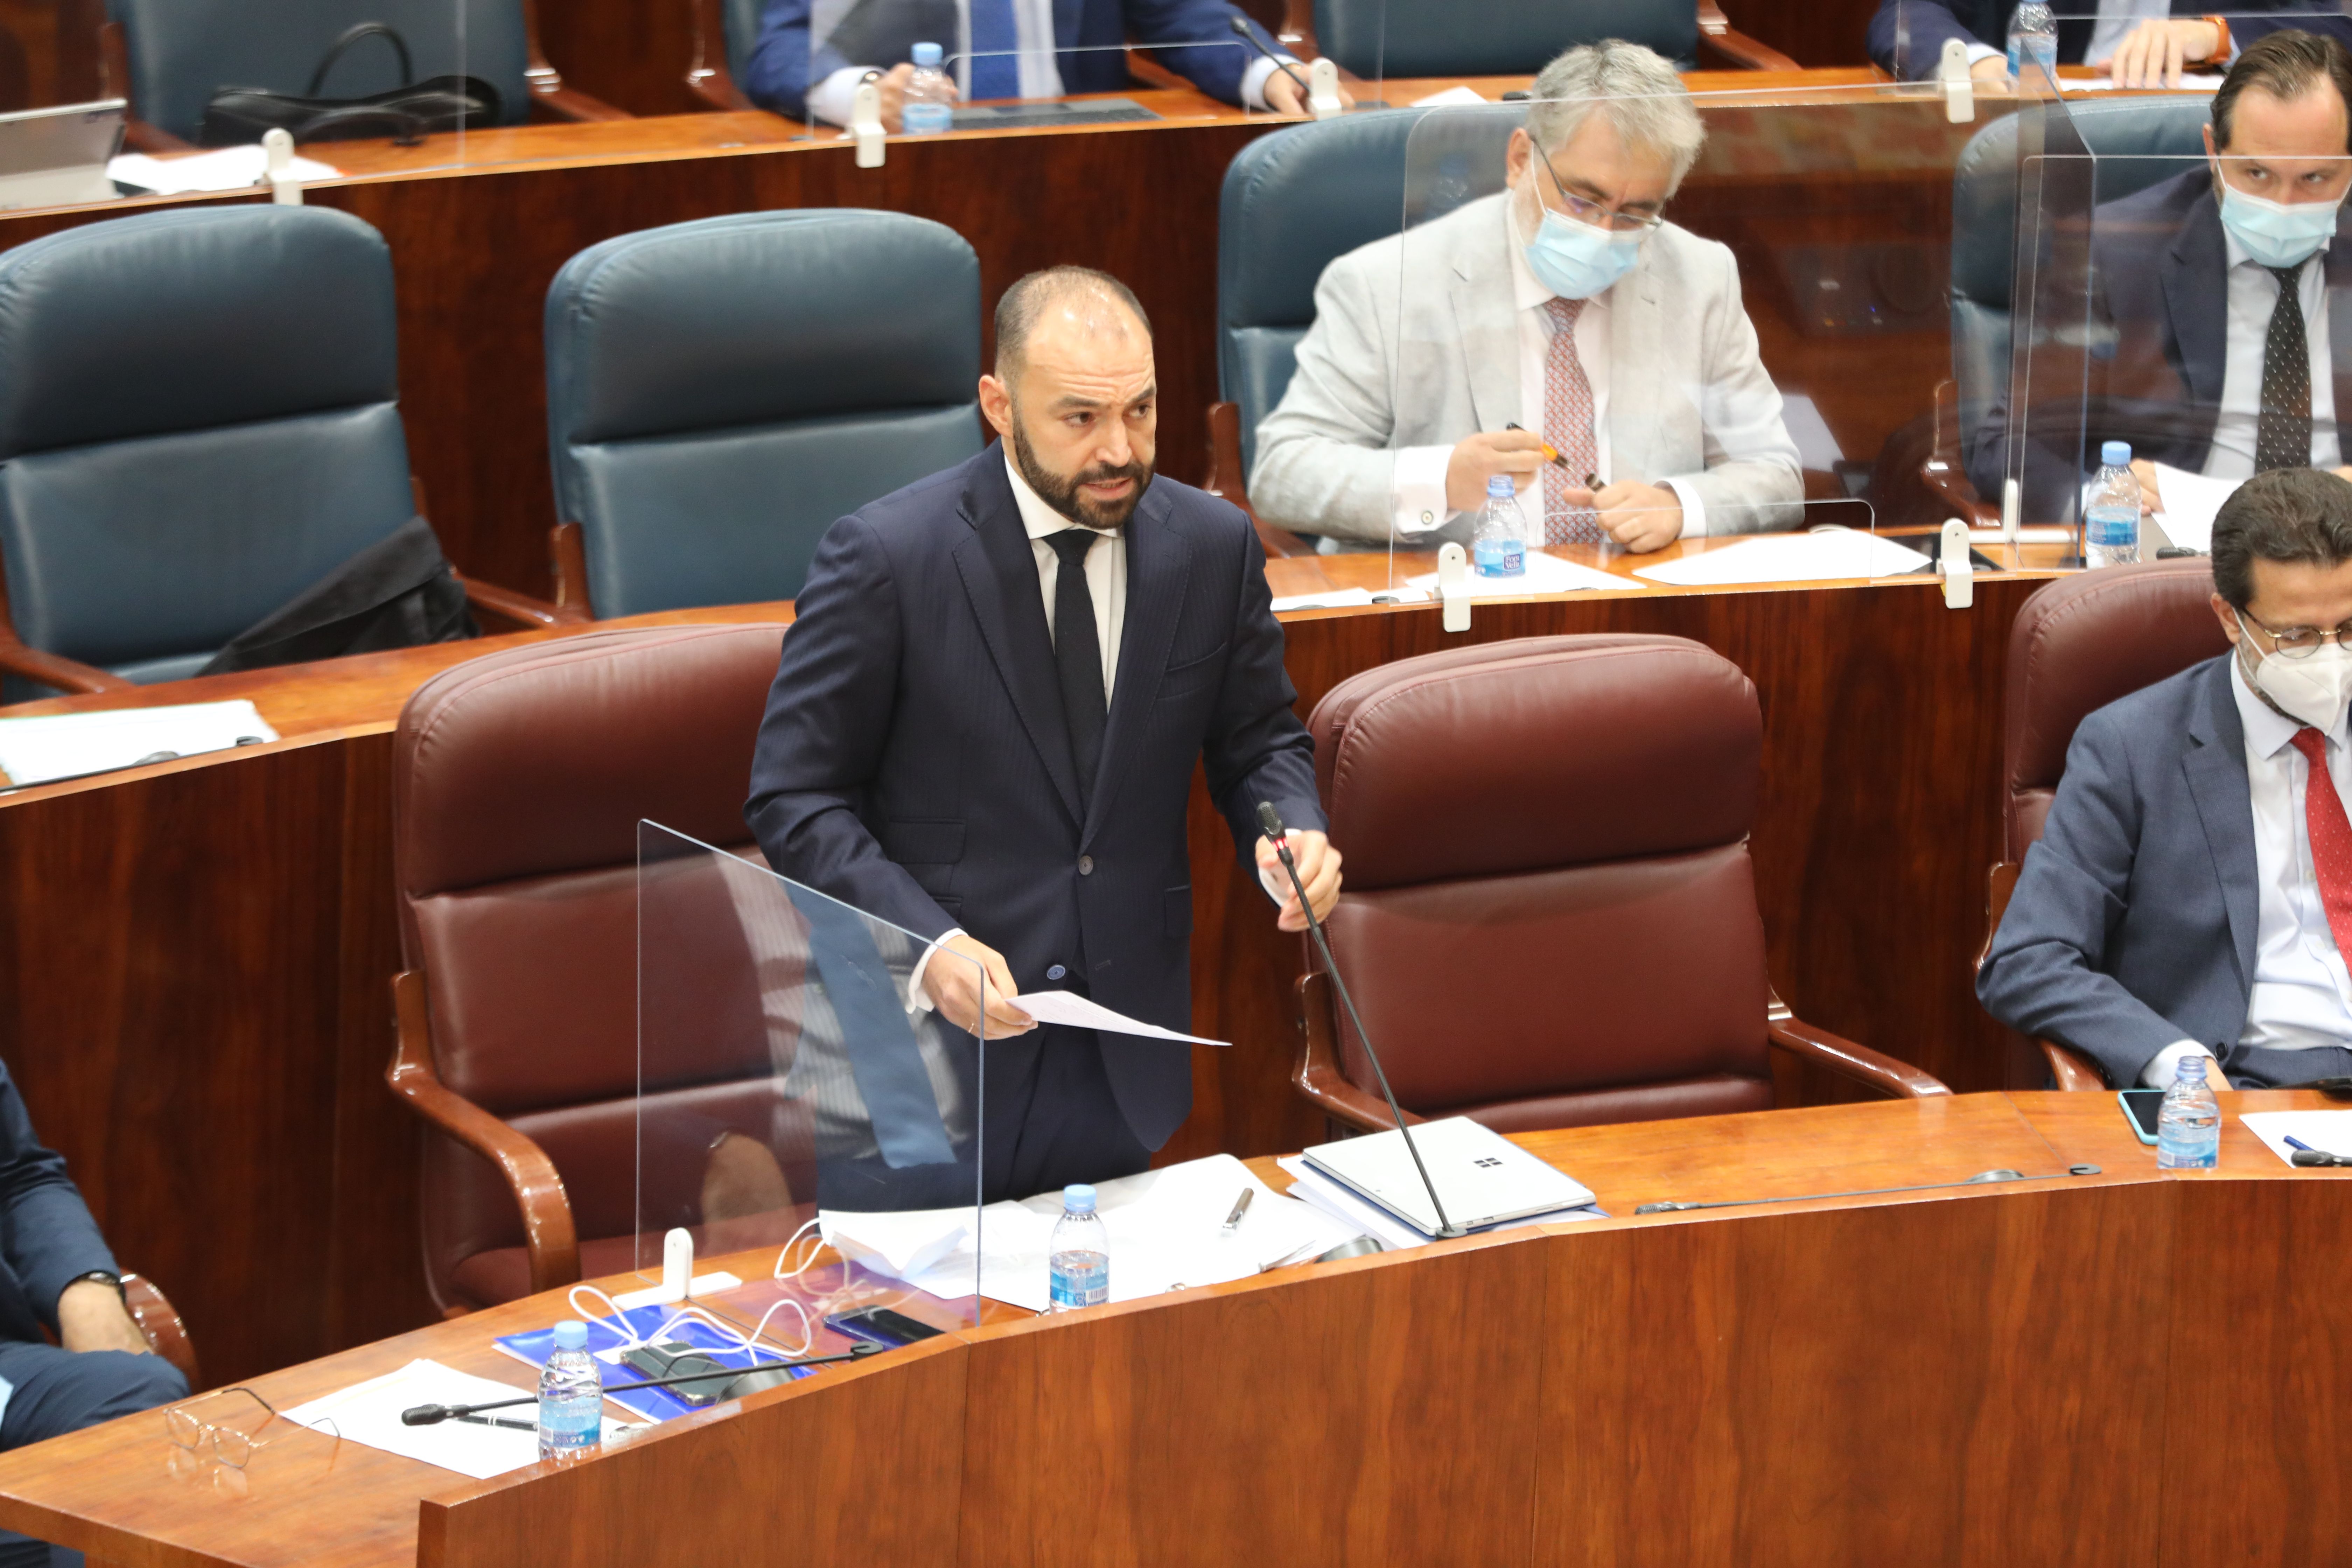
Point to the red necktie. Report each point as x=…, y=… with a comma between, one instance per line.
x=2331, y=837
x=1568, y=424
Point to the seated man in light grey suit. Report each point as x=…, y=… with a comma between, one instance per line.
x=2192, y=893
x=1565, y=304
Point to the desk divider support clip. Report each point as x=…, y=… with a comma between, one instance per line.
x=277, y=162
x=1454, y=587
x=1960, y=577
x=866, y=125
x=1960, y=87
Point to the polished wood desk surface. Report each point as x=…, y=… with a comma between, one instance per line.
x=123, y=1493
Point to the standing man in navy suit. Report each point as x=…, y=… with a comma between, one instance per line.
x=812, y=54
x=986, y=719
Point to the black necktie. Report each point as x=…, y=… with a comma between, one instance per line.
x=2283, y=429
x=1079, y=651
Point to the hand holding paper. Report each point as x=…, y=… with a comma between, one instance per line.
x=1065, y=1007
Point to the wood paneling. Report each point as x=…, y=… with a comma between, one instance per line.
x=633, y=54
x=1811, y=32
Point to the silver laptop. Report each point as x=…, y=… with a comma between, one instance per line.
x=1484, y=1179
x=57, y=157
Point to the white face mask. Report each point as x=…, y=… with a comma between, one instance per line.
x=2315, y=688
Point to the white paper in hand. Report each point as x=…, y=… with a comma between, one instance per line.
x=2189, y=502
x=1068, y=1007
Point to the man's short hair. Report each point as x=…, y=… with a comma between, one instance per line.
x=1026, y=301
x=2299, y=515
x=2286, y=65
x=1638, y=89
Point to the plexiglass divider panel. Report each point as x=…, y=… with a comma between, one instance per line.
x=813, y=1135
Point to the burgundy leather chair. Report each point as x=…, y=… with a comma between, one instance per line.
x=2077, y=645
x=518, y=782
x=1549, y=914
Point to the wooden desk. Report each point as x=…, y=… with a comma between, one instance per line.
x=1971, y=1375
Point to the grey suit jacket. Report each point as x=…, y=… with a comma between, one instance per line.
x=2132, y=924
x=1415, y=343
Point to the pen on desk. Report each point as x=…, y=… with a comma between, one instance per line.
x=1241, y=1206
x=2293, y=1142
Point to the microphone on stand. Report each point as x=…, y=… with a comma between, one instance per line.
x=1249, y=37
x=1270, y=821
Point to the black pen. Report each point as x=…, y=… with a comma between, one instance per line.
x=497, y=1421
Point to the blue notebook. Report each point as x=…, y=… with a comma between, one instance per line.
x=654, y=1404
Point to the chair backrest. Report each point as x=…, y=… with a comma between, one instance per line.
x=198, y=420
x=184, y=51
x=519, y=780
x=740, y=21
x=2079, y=643
x=1294, y=201
x=1378, y=39
x=2137, y=141
x=719, y=392
x=1544, y=838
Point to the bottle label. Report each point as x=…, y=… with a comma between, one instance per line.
x=1500, y=557
x=927, y=119
x=2112, y=527
x=2041, y=47
x=1081, y=1279
x=570, y=1423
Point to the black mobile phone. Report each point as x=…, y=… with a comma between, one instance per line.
x=881, y=1326
x=2140, y=1108
x=671, y=1358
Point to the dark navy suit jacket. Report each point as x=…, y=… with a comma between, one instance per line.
x=1092, y=36
x=48, y=1238
x=2134, y=921
x=914, y=762
x=2159, y=314
x=1930, y=22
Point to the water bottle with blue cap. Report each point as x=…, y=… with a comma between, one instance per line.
x=1498, y=545
x=570, y=1396
x=2111, y=515
x=930, y=106
x=1081, y=1252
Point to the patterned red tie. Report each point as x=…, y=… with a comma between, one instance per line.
x=2331, y=837
x=1568, y=425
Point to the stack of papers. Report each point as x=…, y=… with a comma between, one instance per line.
x=1166, y=1230
x=2330, y=1131
x=1790, y=558
x=68, y=745
x=369, y=1413
x=1315, y=1188
x=229, y=169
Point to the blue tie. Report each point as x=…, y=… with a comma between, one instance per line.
x=995, y=68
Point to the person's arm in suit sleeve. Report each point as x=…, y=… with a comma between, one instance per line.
x=1218, y=63
x=1754, y=479
x=1257, y=749
x=2043, y=974
x=829, y=717
x=2308, y=16
x=50, y=1237
x=781, y=70
x=1323, y=460
x=1917, y=30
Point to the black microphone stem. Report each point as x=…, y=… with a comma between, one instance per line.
x=1446, y=1228
x=1249, y=32
x=432, y=1414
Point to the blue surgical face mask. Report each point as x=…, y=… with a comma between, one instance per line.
x=1576, y=260
x=2277, y=234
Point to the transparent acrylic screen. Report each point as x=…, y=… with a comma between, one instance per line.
x=781, y=1077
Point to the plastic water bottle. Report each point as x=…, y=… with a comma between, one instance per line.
x=930, y=106
x=2033, y=39
x=1498, y=547
x=2189, y=1123
x=2111, y=520
x=1081, y=1256
x=570, y=1396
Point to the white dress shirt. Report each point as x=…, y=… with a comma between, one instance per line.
x=2302, y=995
x=1040, y=74
x=1106, y=582
x=2253, y=296
x=1421, y=471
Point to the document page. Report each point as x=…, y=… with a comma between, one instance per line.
x=1790, y=558
x=1068, y=1007
x=69, y=745
x=2190, y=502
x=2330, y=1131
x=369, y=1413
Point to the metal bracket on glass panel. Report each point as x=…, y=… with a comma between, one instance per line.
x=1960, y=87
x=866, y=125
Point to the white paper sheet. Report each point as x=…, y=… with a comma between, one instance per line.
x=2033, y=533
x=1452, y=97
x=67, y=745
x=369, y=1413
x=2328, y=1130
x=902, y=1243
x=2190, y=502
x=2199, y=82
x=1331, y=599
x=1068, y=1007
x=226, y=169
x=1546, y=574
x=1313, y=1187
x=1790, y=558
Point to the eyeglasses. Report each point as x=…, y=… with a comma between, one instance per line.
x=1593, y=213
x=2301, y=642
x=231, y=1446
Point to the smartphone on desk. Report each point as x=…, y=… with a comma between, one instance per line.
x=881, y=1326
x=2140, y=1108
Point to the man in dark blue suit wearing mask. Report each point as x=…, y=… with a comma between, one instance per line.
x=810, y=53
x=986, y=720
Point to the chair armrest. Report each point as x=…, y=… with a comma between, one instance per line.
x=159, y=1321
x=1318, y=1077
x=1898, y=1080
x=2070, y=1070
x=521, y=608
x=1716, y=33
x=568, y=546
x=553, y=1243
x=1226, y=482
x=65, y=674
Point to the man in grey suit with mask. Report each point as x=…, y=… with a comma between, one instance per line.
x=2192, y=894
x=1565, y=304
